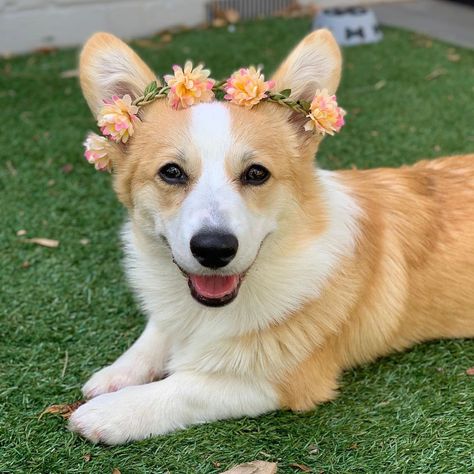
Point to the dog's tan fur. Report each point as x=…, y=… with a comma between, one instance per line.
x=410, y=281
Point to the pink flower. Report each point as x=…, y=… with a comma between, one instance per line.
x=325, y=116
x=96, y=153
x=247, y=87
x=116, y=118
x=189, y=86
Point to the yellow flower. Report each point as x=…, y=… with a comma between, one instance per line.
x=116, y=118
x=247, y=87
x=325, y=115
x=96, y=153
x=189, y=86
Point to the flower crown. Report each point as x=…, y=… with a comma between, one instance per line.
x=189, y=86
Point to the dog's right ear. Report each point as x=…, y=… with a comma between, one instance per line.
x=315, y=63
x=109, y=67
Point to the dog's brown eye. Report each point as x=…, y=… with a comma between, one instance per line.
x=172, y=174
x=255, y=175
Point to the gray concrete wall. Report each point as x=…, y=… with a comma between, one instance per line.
x=26, y=25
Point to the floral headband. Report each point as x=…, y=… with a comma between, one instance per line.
x=190, y=86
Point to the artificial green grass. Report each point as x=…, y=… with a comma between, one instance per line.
x=408, y=413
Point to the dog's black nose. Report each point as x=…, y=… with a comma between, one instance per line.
x=214, y=249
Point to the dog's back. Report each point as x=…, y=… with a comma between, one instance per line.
x=425, y=214
x=410, y=279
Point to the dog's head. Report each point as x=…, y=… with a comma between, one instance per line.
x=213, y=181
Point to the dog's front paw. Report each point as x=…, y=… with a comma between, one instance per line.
x=116, y=377
x=112, y=418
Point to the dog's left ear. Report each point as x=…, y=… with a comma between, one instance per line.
x=315, y=63
x=109, y=67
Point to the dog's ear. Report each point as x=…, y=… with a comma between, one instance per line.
x=109, y=67
x=314, y=64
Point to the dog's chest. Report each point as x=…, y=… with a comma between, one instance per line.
x=258, y=353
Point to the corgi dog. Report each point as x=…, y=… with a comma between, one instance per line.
x=262, y=276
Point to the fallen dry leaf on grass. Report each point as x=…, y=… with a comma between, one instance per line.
x=254, y=467
x=470, y=371
x=69, y=74
x=380, y=85
x=218, y=22
x=313, y=449
x=422, y=41
x=453, y=56
x=46, y=50
x=148, y=43
x=438, y=72
x=50, y=243
x=166, y=38
x=301, y=467
x=12, y=170
x=65, y=410
x=67, y=168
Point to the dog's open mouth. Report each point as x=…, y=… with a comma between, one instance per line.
x=214, y=290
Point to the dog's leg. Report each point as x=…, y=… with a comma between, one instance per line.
x=142, y=363
x=180, y=400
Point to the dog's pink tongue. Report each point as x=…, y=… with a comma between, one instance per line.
x=214, y=286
